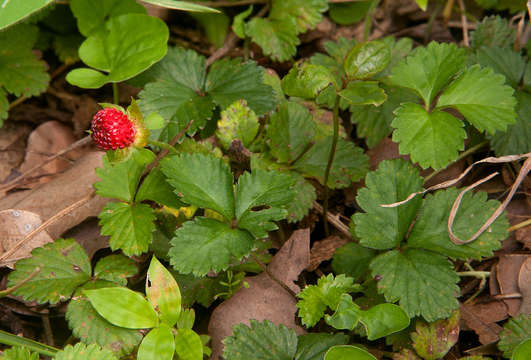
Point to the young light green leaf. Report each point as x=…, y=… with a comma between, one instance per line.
x=16, y=10
x=123, y=307
x=182, y=5
x=237, y=121
x=423, y=4
x=163, y=292
x=155, y=187
x=277, y=38
x=305, y=195
x=429, y=69
x=366, y=59
x=262, y=340
x=269, y=189
x=306, y=80
x=206, y=244
x=522, y=351
x=19, y=353
x=363, y=93
x=154, y=121
x=63, y=265
x=383, y=319
x=431, y=228
x=186, y=319
x=384, y=228
x=515, y=331
x=424, y=282
x=188, y=345
x=202, y=181
x=129, y=226
x=158, y=344
x=307, y=13
x=346, y=315
x=352, y=260
x=115, y=268
x=431, y=139
x=313, y=346
x=349, y=13
x=342, y=352
x=81, y=351
x=238, y=24
x=492, y=31
x=433, y=340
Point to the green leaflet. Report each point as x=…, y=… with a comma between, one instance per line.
x=306, y=80
x=237, y=121
x=367, y=59
x=81, y=351
x=363, y=93
x=503, y=61
x=432, y=341
x=277, y=38
x=157, y=344
x=313, y=346
x=340, y=352
x=492, y=31
x=19, y=353
x=163, y=293
x=349, y=13
x=188, y=345
x=115, y=268
x=305, y=195
x=514, y=332
x=155, y=187
x=352, y=260
x=307, y=13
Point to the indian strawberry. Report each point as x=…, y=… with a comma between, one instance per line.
x=112, y=129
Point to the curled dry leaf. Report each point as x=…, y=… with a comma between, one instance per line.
x=324, y=250
x=524, y=284
x=507, y=275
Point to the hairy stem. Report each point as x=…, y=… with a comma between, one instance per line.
x=329, y=165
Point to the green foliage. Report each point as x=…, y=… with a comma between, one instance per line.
x=158, y=344
x=81, y=351
x=363, y=93
x=115, y=268
x=340, y=352
x=367, y=59
x=522, y=351
x=313, y=346
x=349, y=13
x=15, y=11
x=182, y=5
x=188, y=345
x=237, y=121
x=514, y=332
x=492, y=31
x=155, y=187
x=306, y=80
x=352, y=260
x=432, y=341
x=260, y=341
x=19, y=353
x=163, y=293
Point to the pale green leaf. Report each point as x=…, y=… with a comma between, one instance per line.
x=4, y=106
x=206, y=244
x=363, y=93
x=238, y=23
x=81, y=351
x=129, y=226
x=17, y=10
x=155, y=187
x=262, y=340
x=522, y=351
x=352, y=260
x=63, y=265
x=277, y=38
x=346, y=315
x=115, y=268
x=307, y=13
x=313, y=346
x=154, y=121
x=157, y=344
x=306, y=80
x=383, y=320
x=19, y=353
x=514, y=332
x=422, y=281
x=188, y=345
x=182, y=5
x=163, y=292
x=433, y=340
x=237, y=121
x=367, y=59
x=343, y=352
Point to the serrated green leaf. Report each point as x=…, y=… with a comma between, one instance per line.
x=383, y=319
x=431, y=228
x=307, y=13
x=81, y=351
x=384, y=228
x=503, y=61
x=66, y=47
x=313, y=346
x=432, y=341
x=352, y=260
x=482, y=98
x=202, y=181
x=350, y=163
x=19, y=353
x=363, y=93
x=367, y=59
x=21, y=73
x=269, y=189
x=115, y=268
x=277, y=38
x=262, y=340
x=346, y=316
x=306, y=80
x=123, y=307
x=182, y=5
x=237, y=121
x=238, y=23
x=305, y=195
x=431, y=139
x=342, y=352
x=314, y=299
x=424, y=282
x=492, y=31
x=163, y=292
x=349, y=13
x=198, y=289
x=429, y=69
x=90, y=327
x=158, y=344
x=206, y=244
x=156, y=188
x=515, y=331
x=188, y=345
x=129, y=226
x=64, y=266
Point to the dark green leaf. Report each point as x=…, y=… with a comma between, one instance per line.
x=352, y=260
x=367, y=59
x=277, y=38
x=307, y=13
x=383, y=319
x=115, y=268
x=503, y=61
x=158, y=344
x=349, y=13
x=305, y=195
x=313, y=346
x=155, y=187
x=4, y=106
x=492, y=31
x=198, y=289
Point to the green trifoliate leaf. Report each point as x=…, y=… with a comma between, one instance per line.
x=429, y=69
x=115, y=268
x=163, y=292
x=380, y=227
x=315, y=299
x=307, y=13
x=313, y=346
x=349, y=13
x=238, y=24
x=155, y=187
x=277, y=38
x=367, y=59
x=270, y=190
x=21, y=73
x=130, y=226
x=19, y=353
x=431, y=139
x=90, y=327
x=81, y=351
x=432, y=341
x=517, y=138
x=363, y=93
x=514, y=332
x=63, y=265
x=158, y=344
x=123, y=307
x=352, y=260
x=503, y=61
x=202, y=181
x=482, y=98
x=290, y=131
x=342, y=352
x=306, y=80
x=188, y=345
x=350, y=163
x=424, y=282
x=430, y=230
x=237, y=121
x=305, y=195
x=206, y=244
x=262, y=340
x=492, y=31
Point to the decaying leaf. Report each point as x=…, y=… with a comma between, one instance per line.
x=507, y=275
x=323, y=250
x=482, y=319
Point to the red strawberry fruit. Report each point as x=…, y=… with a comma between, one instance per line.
x=112, y=129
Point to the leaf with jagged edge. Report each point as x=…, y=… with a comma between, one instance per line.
x=307, y=13
x=384, y=228
x=313, y=346
x=315, y=299
x=492, y=31
x=350, y=163
x=514, y=332
x=81, y=351
x=482, y=98
x=156, y=188
x=270, y=189
x=352, y=260
x=431, y=139
x=64, y=266
x=337, y=51
x=503, y=61
x=4, y=106
x=237, y=121
x=431, y=228
x=202, y=181
x=206, y=244
x=90, y=327
x=305, y=195
x=262, y=340
x=277, y=38
x=422, y=281
x=429, y=69
x=307, y=80
x=19, y=353
x=358, y=93
x=130, y=226
x=197, y=289
x=116, y=268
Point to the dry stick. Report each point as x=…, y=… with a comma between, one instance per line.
x=45, y=224
x=520, y=225
x=464, y=21
x=8, y=291
x=334, y=220
x=273, y=277
x=14, y=182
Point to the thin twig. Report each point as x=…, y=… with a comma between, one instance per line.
x=520, y=225
x=334, y=220
x=230, y=43
x=18, y=101
x=273, y=277
x=464, y=21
